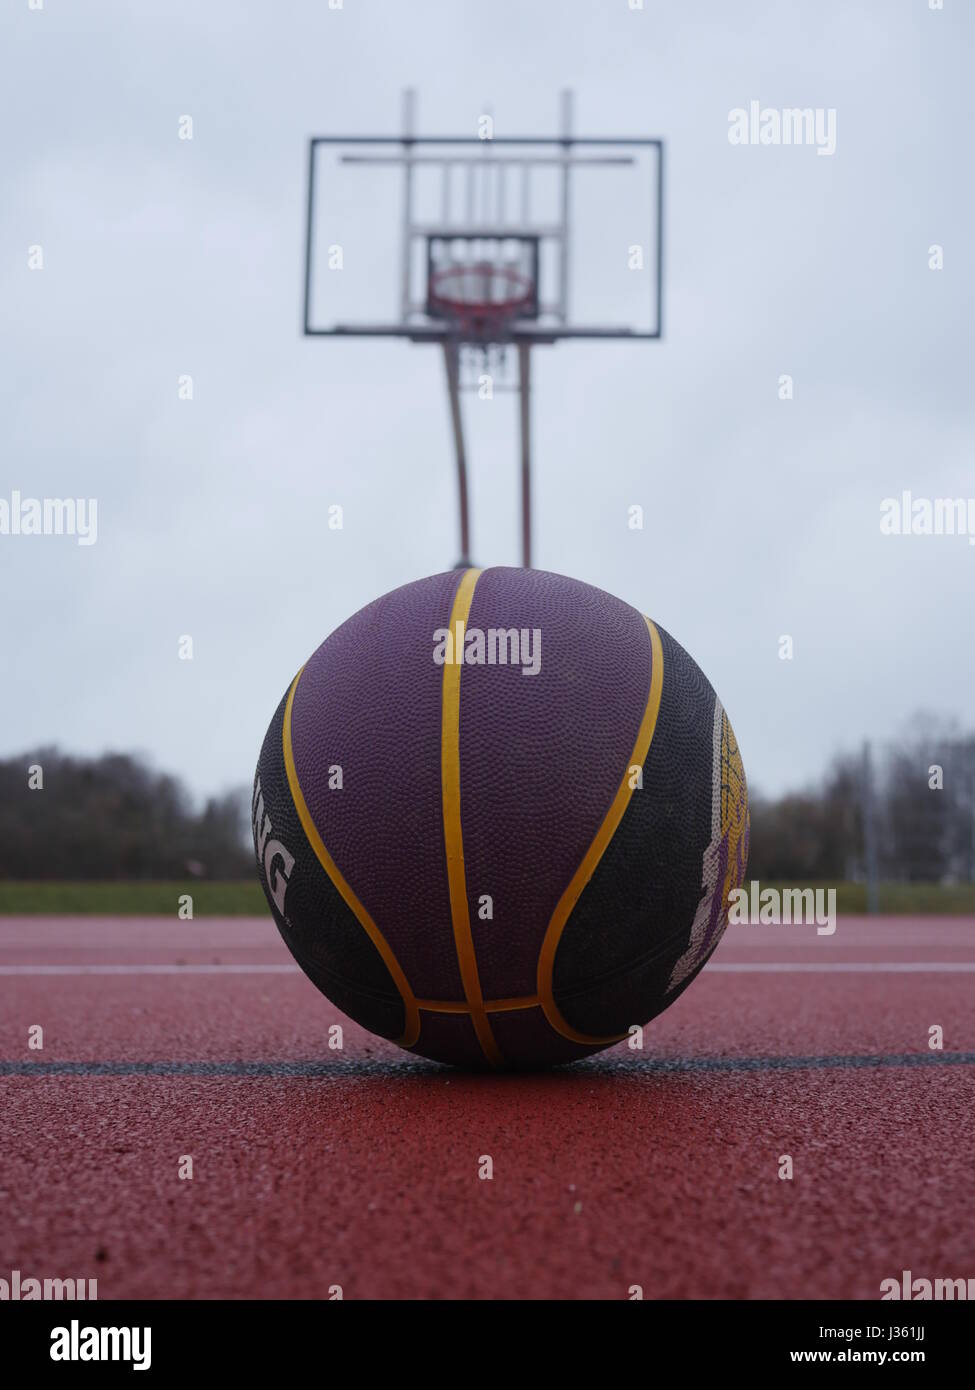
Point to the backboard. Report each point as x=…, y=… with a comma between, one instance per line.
x=567, y=232
x=484, y=244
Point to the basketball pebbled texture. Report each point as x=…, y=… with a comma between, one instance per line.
x=494, y=868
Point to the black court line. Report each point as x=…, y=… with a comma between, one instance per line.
x=409, y=1067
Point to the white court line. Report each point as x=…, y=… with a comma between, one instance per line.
x=845, y=967
x=150, y=970
x=905, y=967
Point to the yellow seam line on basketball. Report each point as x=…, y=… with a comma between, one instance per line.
x=453, y=835
x=412, y=1014
x=595, y=852
x=491, y=1006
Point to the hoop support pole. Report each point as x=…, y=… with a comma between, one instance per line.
x=524, y=385
x=452, y=363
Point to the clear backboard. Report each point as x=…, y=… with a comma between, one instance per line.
x=549, y=238
x=484, y=244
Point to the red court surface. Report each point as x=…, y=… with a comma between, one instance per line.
x=315, y=1168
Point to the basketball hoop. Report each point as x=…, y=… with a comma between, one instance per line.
x=489, y=261
x=481, y=299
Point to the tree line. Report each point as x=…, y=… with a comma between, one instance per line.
x=114, y=817
x=913, y=798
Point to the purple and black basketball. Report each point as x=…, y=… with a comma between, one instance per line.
x=498, y=816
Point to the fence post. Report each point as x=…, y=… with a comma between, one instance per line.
x=869, y=831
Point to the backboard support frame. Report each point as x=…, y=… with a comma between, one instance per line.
x=432, y=332
x=550, y=322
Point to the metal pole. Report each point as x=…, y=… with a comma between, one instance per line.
x=660, y=240
x=524, y=392
x=566, y=123
x=409, y=117
x=452, y=362
x=308, y=231
x=971, y=861
x=869, y=832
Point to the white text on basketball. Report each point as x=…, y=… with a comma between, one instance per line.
x=269, y=851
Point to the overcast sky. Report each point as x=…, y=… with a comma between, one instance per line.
x=164, y=257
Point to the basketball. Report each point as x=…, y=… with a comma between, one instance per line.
x=497, y=817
